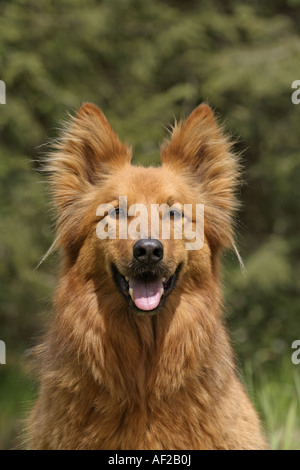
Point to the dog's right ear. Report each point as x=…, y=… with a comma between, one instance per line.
x=85, y=152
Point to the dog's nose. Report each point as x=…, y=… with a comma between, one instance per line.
x=148, y=250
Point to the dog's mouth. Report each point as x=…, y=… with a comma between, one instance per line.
x=147, y=292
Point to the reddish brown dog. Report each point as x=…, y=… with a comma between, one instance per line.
x=136, y=355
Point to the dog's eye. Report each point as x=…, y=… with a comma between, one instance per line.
x=117, y=213
x=175, y=214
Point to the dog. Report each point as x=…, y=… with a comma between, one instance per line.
x=136, y=355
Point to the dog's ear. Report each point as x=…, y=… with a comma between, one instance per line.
x=85, y=152
x=200, y=148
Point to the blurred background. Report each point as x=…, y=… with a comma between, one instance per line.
x=145, y=63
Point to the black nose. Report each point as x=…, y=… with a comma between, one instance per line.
x=148, y=251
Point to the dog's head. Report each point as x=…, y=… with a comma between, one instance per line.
x=144, y=231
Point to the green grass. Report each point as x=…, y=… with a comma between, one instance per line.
x=276, y=395
x=16, y=394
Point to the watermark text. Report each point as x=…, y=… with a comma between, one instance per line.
x=2, y=92
x=296, y=354
x=2, y=352
x=296, y=94
x=158, y=221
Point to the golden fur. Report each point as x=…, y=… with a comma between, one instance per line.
x=111, y=379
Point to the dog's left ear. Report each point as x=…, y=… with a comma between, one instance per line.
x=199, y=148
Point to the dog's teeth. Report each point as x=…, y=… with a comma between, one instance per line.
x=126, y=278
x=162, y=291
x=131, y=293
x=164, y=279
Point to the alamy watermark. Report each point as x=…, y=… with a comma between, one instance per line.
x=296, y=354
x=296, y=95
x=2, y=92
x=120, y=222
x=2, y=352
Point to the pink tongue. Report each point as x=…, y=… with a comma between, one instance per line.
x=146, y=294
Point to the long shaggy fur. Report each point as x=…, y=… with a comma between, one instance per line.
x=111, y=379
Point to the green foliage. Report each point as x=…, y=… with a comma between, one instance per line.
x=277, y=399
x=144, y=63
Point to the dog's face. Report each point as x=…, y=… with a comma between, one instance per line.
x=139, y=228
x=146, y=267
